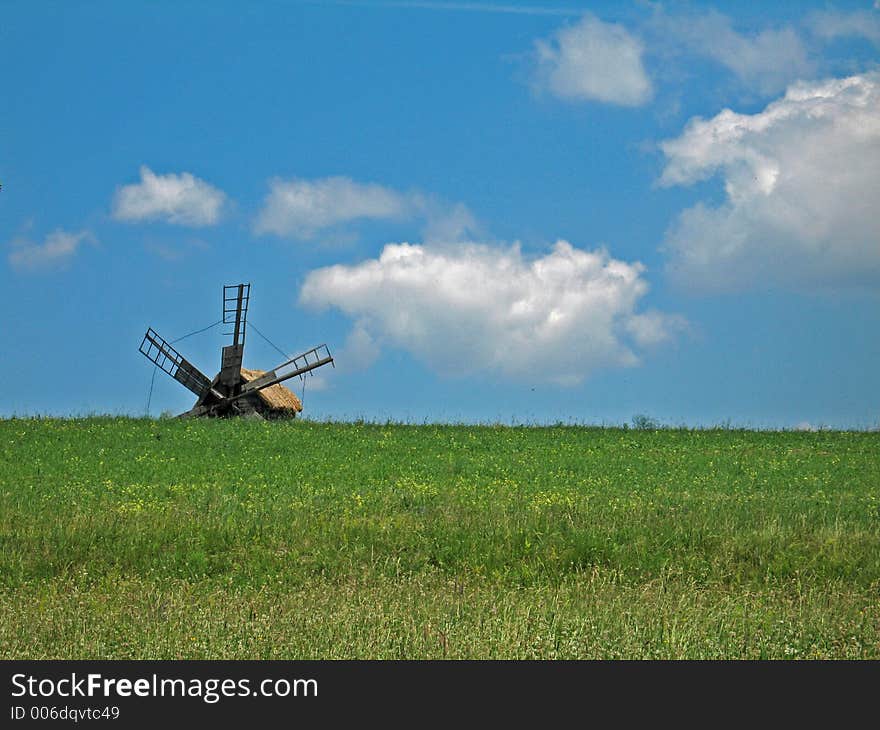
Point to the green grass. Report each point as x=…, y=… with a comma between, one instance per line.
x=124, y=538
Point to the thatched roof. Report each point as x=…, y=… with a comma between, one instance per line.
x=275, y=396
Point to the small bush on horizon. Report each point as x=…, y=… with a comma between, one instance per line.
x=641, y=422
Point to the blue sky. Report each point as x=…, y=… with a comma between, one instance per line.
x=516, y=212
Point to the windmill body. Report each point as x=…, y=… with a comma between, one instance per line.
x=236, y=391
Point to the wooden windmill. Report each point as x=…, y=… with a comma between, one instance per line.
x=235, y=391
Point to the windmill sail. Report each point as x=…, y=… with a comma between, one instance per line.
x=235, y=307
x=300, y=365
x=158, y=351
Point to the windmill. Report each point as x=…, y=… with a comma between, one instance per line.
x=235, y=391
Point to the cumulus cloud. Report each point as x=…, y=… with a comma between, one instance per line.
x=56, y=250
x=180, y=199
x=593, y=60
x=300, y=208
x=800, y=182
x=471, y=307
x=765, y=60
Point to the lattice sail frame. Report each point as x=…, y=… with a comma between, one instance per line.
x=159, y=351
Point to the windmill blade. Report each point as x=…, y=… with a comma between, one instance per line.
x=300, y=365
x=235, y=306
x=164, y=356
x=236, y=298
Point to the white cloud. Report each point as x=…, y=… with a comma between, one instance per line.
x=800, y=180
x=832, y=24
x=766, y=60
x=300, y=208
x=58, y=248
x=469, y=307
x=181, y=199
x=593, y=60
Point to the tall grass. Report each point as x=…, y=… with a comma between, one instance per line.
x=142, y=538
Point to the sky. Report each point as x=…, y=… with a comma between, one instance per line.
x=490, y=212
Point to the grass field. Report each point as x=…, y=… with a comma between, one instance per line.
x=126, y=538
